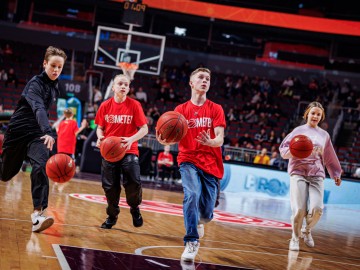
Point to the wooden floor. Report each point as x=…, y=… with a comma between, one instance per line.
x=259, y=241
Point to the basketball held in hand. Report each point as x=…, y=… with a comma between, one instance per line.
x=301, y=146
x=172, y=126
x=60, y=168
x=111, y=149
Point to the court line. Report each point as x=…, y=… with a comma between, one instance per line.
x=204, y=240
x=61, y=257
x=140, y=250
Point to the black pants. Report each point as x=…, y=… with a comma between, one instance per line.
x=12, y=159
x=167, y=171
x=111, y=182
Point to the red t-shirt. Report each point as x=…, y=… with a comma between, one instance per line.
x=66, y=141
x=207, y=116
x=165, y=157
x=121, y=119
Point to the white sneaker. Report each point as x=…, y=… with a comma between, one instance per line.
x=294, y=245
x=308, y=240
x=187, y=265
x=191, y=249
x=41, y=222
x=201, y=230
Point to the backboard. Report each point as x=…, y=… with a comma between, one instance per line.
x=114, y=45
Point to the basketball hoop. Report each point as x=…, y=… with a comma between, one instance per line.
x=128, y=69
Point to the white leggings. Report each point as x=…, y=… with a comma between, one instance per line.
x=306, y=198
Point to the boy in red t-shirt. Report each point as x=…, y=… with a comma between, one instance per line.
x=124, y=117
x=67, y=131
x=200, y=159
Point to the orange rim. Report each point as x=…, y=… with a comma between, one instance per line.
x=128, y=66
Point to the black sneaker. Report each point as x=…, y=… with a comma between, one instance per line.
x=109, y=222
x=136, y=216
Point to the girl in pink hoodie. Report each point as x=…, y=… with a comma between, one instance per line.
x=307, y=175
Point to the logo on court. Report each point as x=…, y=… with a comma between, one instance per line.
x=176, y=210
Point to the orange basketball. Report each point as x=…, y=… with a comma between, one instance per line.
x=172, y=126
x=111, y=149
x=60, y=168
x=301, y=146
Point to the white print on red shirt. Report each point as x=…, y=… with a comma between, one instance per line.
x=118, y=119
x=199, y=122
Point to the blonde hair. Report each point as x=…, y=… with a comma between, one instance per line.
x=314, y=104
x=68, y=113
x=123, y=76
x=200, y=70
x=53, y=51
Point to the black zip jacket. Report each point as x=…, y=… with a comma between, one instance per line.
x=31, y=116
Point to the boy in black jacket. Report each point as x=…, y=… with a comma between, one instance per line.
x=29, y=134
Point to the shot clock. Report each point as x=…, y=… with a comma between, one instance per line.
x=133, y=13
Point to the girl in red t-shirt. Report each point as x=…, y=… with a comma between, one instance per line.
x=124, y=117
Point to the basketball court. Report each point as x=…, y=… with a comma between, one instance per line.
x=246, y=233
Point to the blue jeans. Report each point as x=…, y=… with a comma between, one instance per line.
x=200, y=191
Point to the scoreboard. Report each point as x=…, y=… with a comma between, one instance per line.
x=133, y=13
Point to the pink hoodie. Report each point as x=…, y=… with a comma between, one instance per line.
x=323, y=155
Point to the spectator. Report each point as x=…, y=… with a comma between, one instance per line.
x=172, y=95
x=287, y=83
x=263, y=119
x=273, y=139
x=97, y=98
x=12, y=78
x=8, y=50
x=275, y=159
x=230, y=116
x=173, y=75
x=165, y=84
x=162, y=95
x=165, y=162
x=251, y=117
x=80, y=140
x=149, y=119
x=261, y=136
x=155, y=114
x=244, y=140
x=141, y=95
x=157, y=84
x=132, y=92
x=262, y=158
x=3, y=75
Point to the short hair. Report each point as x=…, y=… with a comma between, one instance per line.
x=53, y=51
x=122, y=75
x=200, y=70
x=68, y=112
x=314, y=104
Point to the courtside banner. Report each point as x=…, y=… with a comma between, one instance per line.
x=268, y=183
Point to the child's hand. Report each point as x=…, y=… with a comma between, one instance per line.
x=98, y=142
x=337, y=181
x=161, y=141
x=48, y=141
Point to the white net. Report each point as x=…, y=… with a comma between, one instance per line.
x=128, y=69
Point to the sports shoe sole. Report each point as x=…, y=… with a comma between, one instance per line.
x=46, y=224
x=187, y=259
